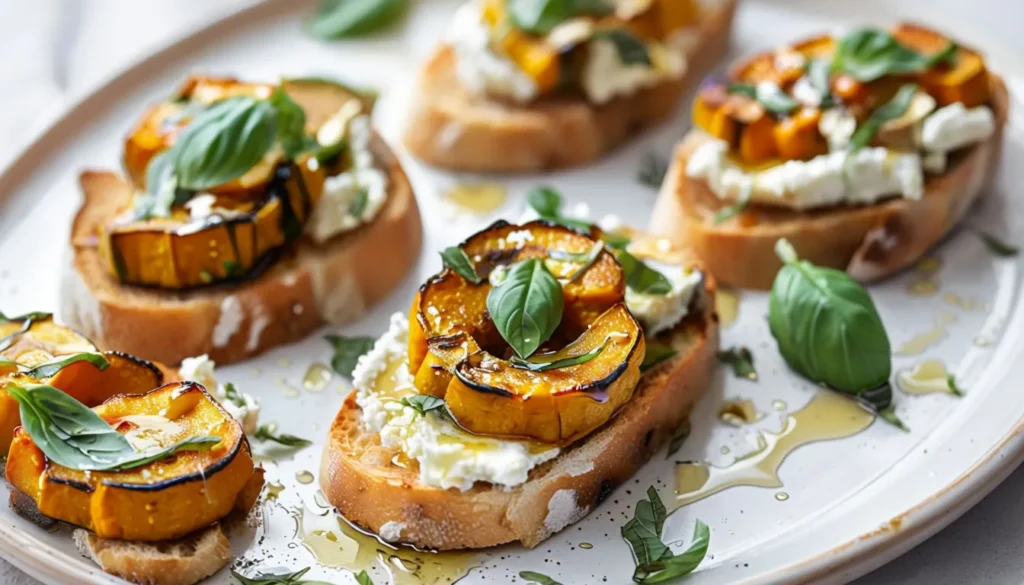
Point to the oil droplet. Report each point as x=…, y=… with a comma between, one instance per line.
x=923, y=287
x=827, y=416
x=586, y=545
x=725, y=450
x=727, y=305
x=317, y=377
x=478, y=198
x=151, y=507
x=274, y=489
x=284, y=362
x=928, y=265
x=962, y=302
x=925, y=283
x=982, y=341
x=304, y=477
x=257, y=372
x=287, y=389
x=782, y=496
x=927, y=377
x=779, y=405
x=739, y=412
x=917, y=344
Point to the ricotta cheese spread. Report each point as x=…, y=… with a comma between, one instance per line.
x=870, y=174
x=244, y=408
x=659, y=313
x=479, y=68
x=354, y=197
x=448, y=456
x=605, y=76
x=955, y=126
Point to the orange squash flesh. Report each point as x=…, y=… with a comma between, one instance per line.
x=456, y=352
x=163, y=500
x=490, y=397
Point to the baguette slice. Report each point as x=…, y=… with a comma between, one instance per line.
x=450, y=127
x=334, y=282
x=868, y=241
x=359, y=478
x=184, y=561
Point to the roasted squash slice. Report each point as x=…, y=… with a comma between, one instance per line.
x=739, y=120
x=456, y=352
x=44, y=341
x=965, y=79
x=163, y=500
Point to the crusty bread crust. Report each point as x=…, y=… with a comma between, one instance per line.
x=868, y=241
x=358, y=476
x=334, y=282
x=450, y=127
x=184, y=561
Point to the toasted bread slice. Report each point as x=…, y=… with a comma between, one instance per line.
x=359, y=478
x=868, y=241
x=184, y=561
x=334, y=282
x=450, y=127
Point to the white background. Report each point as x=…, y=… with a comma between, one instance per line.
x=52, y=51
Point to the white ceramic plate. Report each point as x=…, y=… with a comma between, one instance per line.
x=852, y=504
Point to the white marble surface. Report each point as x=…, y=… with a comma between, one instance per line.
x=52, y=51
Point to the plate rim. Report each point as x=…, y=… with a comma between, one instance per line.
x=840, y=564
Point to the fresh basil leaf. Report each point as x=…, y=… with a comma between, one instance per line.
x=423, y=403
x=673, y=567
x=741, y=360
x=656, y=353
x=952, y=385
x=997, y=246
x=527, y=306
x=819, y=73
x=363, y=578
x=588, y=259
x=266, y=433
x=828, y=329
x=347, y=351
x=284, y=579
x=734, y=209
x=614, y=240
x=27, y=321
x=232, y=395
x=653, y=169
x=335, y=19
x=74, y=436
x=535, y=577
x=742, y=88
x=539, y=17
x=769, y=95
x=678, y=438
x=455, y=257
x=223, y=142
x=162, y=193
x=631, y=50
x=891, y=110
x=34, y=316
x=50, y=369
x=867, y=54
x=643, y=531
x=642, y=278
x=543, y=366
x=545, y=201
x=232, y=269
x=359, y=203
x=291, y=125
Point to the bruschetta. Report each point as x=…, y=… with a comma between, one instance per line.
x=863, y=150
x=250, y=215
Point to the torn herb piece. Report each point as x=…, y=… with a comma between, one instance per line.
x=741, y=360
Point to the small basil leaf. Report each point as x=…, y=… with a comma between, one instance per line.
x=742, y=88
x=819, y=73
x=891, y=110
x=535, y=577
x=997, y=246
x=204, y=443
x=545, y=201
x=335, y=19
x=291, y=125
x=527, y=307
x=631, y=50
x=223, y=142
x=456, y=258
x=539, y=17
x=643, y=531
x=671, y=568
x=741, y=360
x=283, y=579
x=162, y=191
x=266, y=433
x=34, y=316
x=734, y=209
x=653, y=169
x=50, y=369
x=232, y=395
x=656, y=353
x=678, y=438
x=347, y=351
x=423, y=403
x=363, y=578
x=867, y=54
x=542, y=366
x=952, y=385
x=642, y=278
x=769, y=95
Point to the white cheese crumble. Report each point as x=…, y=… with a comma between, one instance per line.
x=334, y=214
x=955, y=126
x=605, y=76
x=519, y=238
x=805, y=93
x=201, y=370
x=478, y=67
x=659, y=313
x=829, y=179
x=448, y=456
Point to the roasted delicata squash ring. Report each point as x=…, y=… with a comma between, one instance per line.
x=44, y=341
x=456, y=352
x=175, y=252
x=163, y=500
